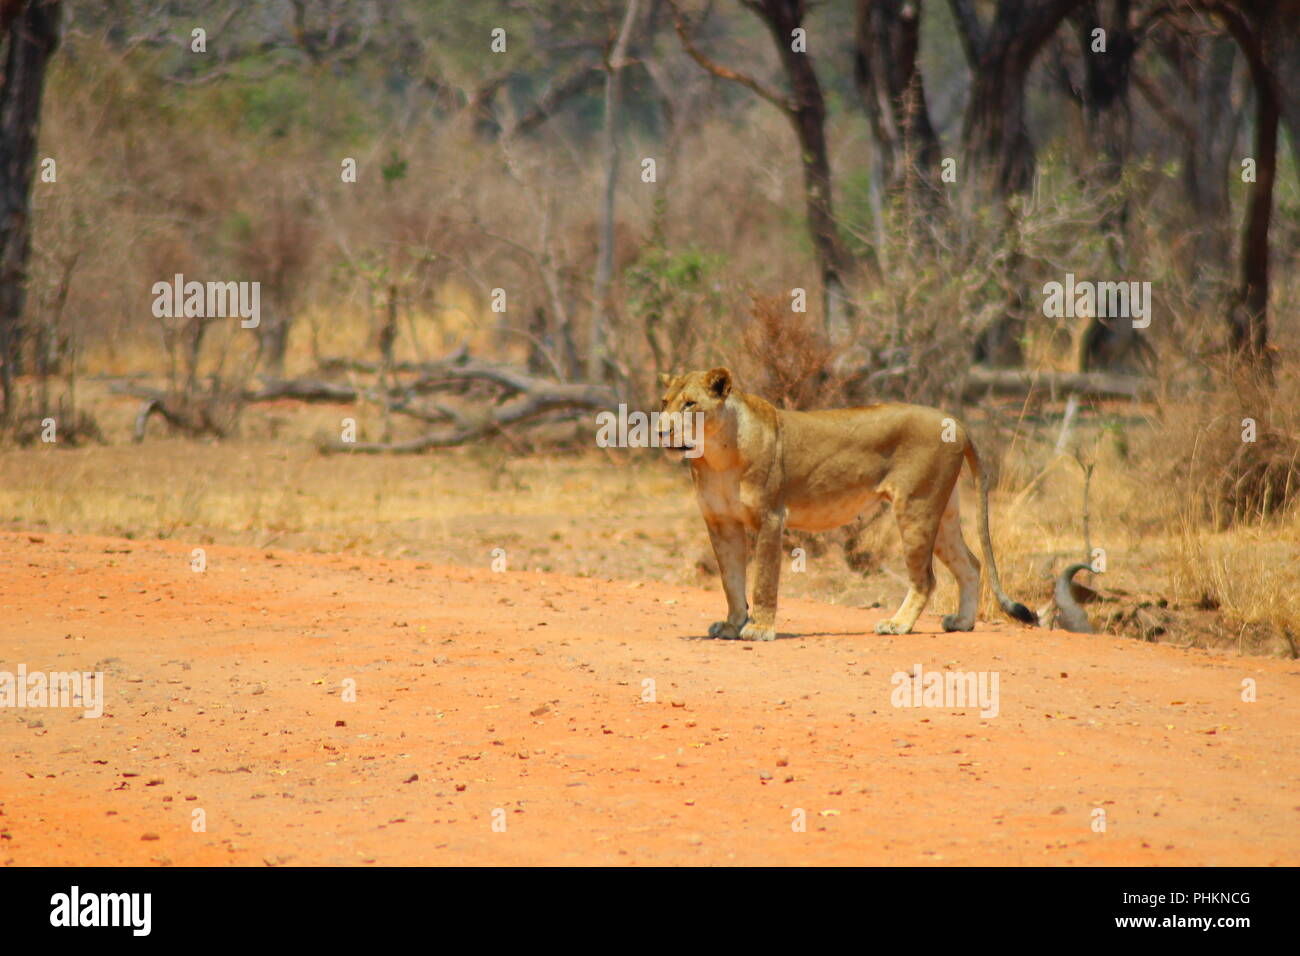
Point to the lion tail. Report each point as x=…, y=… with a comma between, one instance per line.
x=1012, y=608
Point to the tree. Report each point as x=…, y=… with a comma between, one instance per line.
x=1258, y=26
x=994, y=134
x=805, y=108
x=1201, y=108
x=889, y=82
x=30, y=28
x=614, y=64
x=1107, y=39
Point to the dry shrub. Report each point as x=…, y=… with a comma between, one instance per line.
x=1241, y=576
x=276, y=241
x=1220, y=475
x=787, y=359
x=916, y=327
x=1259, y=479
x=74, y=427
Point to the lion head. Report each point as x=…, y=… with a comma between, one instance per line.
x=692, y=409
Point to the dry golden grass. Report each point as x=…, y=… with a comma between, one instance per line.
x=1247, y=575
x=631, y=515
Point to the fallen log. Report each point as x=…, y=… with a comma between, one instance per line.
x=508, y=396
x=519, y=410
x=340, y=364
x=302, y=390
x=1084, y=384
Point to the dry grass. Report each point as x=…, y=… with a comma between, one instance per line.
x=1248, y=577
x=456, y=506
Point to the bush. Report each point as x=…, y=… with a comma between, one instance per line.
x=1234, y=453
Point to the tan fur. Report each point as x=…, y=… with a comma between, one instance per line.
x=763, y=469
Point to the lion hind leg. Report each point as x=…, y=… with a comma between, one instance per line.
x=950, y=548
x=918, y=535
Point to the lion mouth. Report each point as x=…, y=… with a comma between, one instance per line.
x=678, y=452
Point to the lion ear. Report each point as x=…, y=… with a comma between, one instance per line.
x=665, y=379
x=718, y=381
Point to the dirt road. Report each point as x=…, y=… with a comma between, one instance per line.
x=506, y=718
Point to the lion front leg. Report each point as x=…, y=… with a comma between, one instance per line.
x=917, y=527
x=767, y=579
x=729, y=547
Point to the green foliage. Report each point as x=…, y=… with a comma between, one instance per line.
x=659, y=273
x=662, y=283
x=236, y=229
x=394, y=168
x=271, y=106
x=316, y=107
x=856, y=219
x=1116, y=429
x=669, y=289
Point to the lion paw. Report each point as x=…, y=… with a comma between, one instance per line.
x=752, y=632
x=953, y=622
x=723, y=630
x=891, y=627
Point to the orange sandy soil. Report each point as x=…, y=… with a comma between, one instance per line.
x=522, y=692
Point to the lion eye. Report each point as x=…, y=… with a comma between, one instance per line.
x=689, y=405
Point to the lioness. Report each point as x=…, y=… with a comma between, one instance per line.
x=762, y=469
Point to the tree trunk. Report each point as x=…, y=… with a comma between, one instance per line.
x=32, y=31
x=1257, y=26
x=806, y=111
x=273, y=338
x=1105, y=92
x=892, y=90
x=998, y=148
x=808, y=116
x=597, y=332
x=1287, y=61
x=999, y=151
x=1107, y=344
x=1209, y=156
x=1248, y=321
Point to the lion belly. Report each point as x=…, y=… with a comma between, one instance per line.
x=828, y=513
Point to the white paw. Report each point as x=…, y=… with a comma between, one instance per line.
x=891, y=626
x=752, y=632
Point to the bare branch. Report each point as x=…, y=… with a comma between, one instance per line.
x=579, y=81
x=783, y=103
x=1163, y=107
